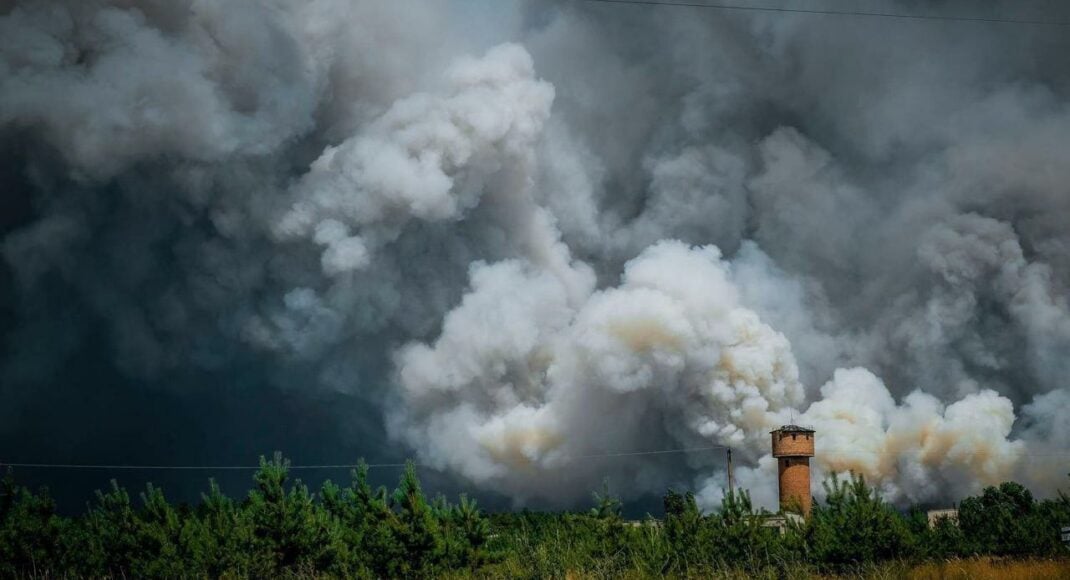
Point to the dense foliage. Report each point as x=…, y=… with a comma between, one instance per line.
x=280, y=528
x=283, y=529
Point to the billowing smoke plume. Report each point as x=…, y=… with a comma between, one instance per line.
x=517, y=237
x=524, y=379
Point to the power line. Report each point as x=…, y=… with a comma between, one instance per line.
x=323, y=466
x=832, y=453
x=185, y=467
x=860, y=13
x=845, y=452
x=660, y=452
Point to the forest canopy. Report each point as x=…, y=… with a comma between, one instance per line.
x=281, y=527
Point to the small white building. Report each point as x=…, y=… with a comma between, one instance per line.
x=781, y=521
x=950, y=514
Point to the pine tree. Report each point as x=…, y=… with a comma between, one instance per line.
x=855, y=526
x=474, y=529
x=739, y=536
x=30, y=530
x=110, y=534
x=417, y=529
x=290, y=531
x=159, y=537
x=219, y=536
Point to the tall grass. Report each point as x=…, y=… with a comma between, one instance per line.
x=991, y=569
x=969, y=568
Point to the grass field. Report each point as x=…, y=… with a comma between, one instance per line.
x=989, y=569
x=958, y=569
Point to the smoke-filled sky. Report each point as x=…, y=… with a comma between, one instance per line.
x=501, y=237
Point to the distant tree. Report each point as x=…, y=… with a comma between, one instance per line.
x=219, y=536
x=110, y=540
x=30, y=530
x=1005, y=520
x=1049, y=517
x=607, y=506
x=739, y=536
x=685, y=531
x=416, y=528
x=473, y=530
x=162, y=553
x=380, y=547
x=940, y=540
x=606, y=525
x=290, y=532
x=854, y=526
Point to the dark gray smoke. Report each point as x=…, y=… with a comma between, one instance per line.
x=500, y=236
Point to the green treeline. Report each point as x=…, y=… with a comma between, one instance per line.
x=283, y=529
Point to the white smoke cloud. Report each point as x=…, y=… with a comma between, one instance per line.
x=915, y=449
x=427, y=157
x=912, y=451
x=524, y=380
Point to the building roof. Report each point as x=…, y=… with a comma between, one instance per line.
x=793, y=429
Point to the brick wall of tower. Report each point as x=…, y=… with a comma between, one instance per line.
x=792, y=443
x=794, y=476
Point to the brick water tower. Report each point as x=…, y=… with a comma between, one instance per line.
x=793, y=446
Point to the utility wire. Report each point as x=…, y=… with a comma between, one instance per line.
x=834, y=453
x=185, y=467
x=860, y=13
x=324, y=466
x=661, y=452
